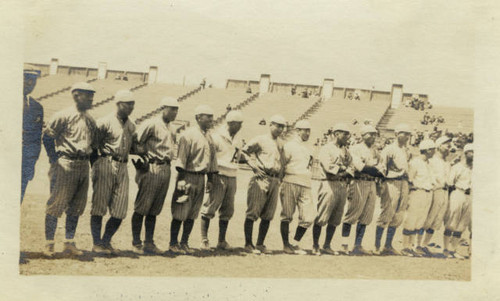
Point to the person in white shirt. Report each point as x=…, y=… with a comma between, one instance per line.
x=221, y=198
x=296, y=187
x=421, y=181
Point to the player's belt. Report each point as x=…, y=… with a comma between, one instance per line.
x=196, y=172
x=158, y=161
x=402, y=178
x=335, y=178
x=116, y=158
x=415, y=189
x=74, y=157
x=273, y=174
x=364, y=177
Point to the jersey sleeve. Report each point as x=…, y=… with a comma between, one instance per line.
x=253, y=146
x=357, y=159
x=183, y=151
x=56, y=125
x=328, y=163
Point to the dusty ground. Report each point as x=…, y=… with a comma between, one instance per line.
x=212, y=264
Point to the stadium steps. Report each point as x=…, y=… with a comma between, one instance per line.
x=239, y=106
x=61, y=90
x=384, y=121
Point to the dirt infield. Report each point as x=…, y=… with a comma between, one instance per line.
x=212, y=263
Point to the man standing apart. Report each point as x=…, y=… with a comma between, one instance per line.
x=337, y=170
x=156, y=139
x=394, y=194
x=116, y=135
x=296, y=188
x=32, y=128
x=69, y=139
x=366, y=161
x=195, y=159
x=265, y=158
x=221, y=197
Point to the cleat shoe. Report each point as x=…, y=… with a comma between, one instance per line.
x=263, y=249
x=447, y=254
x=390, y=251
x=112, y=250
x=344, y=250
x=419, y=252
x=176, y=249
x=99, y=249
x=205, y=245
x=458, y=256
x=316, y=251
x=151, y=248
x=249, y=248
x=223, y=245
x=328, y=251
x=407, y=252
x=288, y=249
x=48, y=251
x=377, y=252
x=186, y=248
x=70, y=248
x=360, y=251
x=137, y=248
x=299, y=250
x=427, y=252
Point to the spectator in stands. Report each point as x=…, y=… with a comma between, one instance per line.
x=294, y=90
x=304, y=94
x=118, y=77
x=357, y=97
x=228, y=108
x=125, y=77
x=354, y=121
x=432, y=119
x=440, y=119
x=349, y=96
x=262, y=121
x=203, y=83
x=368, y=122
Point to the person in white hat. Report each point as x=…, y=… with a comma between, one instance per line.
x=458, y=217
x=440, y=168
x=264, y=155
x=32, y=128
x=296, y=187
x=116, y=136
x=422, y=182
x=69, y=138
x=228, y=145
x=337, y=169
x=196, y=158
x=394, y=193
x=361, y=206
x=155, y=144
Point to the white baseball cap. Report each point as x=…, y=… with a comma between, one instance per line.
x=169, y=102
x=402, y=127
x=368, y=129
x=426, y=144
x=203, y=109
x=234, y=116
x=442, y=140
x=468, y=147
x=124, y=96
x=82, y=86
x=303, y=124
x=341, y=127
x=278, y=119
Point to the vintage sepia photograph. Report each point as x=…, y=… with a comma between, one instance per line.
x=265, y=140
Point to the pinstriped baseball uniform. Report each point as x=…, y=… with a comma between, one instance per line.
x=221, y=197
x=74, y=137
x=110, y=180
x=440, y=169
x=394, y=192
x=332, y=193
x=156, y=139
x=362, y=204
x=296, y=187
x=196, y=157
x=420, y=197
x=263, y=193
x=459, y=213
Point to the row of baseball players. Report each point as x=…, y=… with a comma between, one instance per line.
x=206, y=161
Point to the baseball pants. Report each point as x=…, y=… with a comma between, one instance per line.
x=110, y=188
x=438, y=209
x=393, y=203
x=190, y=208
x=361, y=205
x=262, y=198
x=153, y=187
x=419, y=203
x=292, y=196
x=69, y=187
x=221, y=198
x=459, y=213
x=332, y=197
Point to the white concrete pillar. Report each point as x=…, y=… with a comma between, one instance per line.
x=54, y=64
x=327, y=90
x=153, y=74
x=396, y=95
x=265, y=80
x=102, y=69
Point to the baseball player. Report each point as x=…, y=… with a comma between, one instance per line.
x=116, y=135
x=337, y=170
x=32, y=128
x=264, y=156
x=156, y=141
x=440, y=169
x=195, y=159
x=295, y=190
x=361, y=205
x=458, y=215
x=221, y=198
x=394, y=193
x=69, y=138
x=421, y=184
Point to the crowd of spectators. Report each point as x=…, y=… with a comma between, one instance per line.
x=418, y=104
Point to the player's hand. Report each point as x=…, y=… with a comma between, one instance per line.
x=259, y=173
x=141, y=164
x=182, y=186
